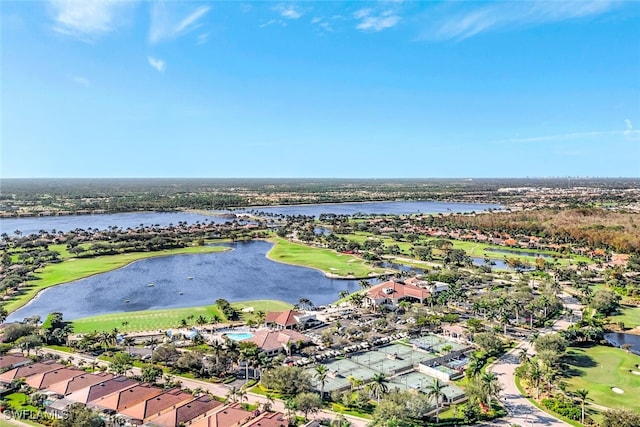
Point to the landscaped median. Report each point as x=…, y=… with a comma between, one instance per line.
x=330, y=262
x=71, y=269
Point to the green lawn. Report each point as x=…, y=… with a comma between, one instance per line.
x=629, y=315
x=473, y=249
x=152, y=320
x=77, y=268
x=325, y=260
x=598, y=369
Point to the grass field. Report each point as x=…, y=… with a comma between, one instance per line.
x=598, y=369
x=152, y=320
x=472, y=249
x=71, y=269
x=324, y=260
x=630, y=316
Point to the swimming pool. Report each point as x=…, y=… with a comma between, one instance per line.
x=239, y=336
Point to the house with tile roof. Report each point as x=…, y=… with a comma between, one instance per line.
x=120, y=400
x=28, y=371
x=392, y=292
x=44, y=380
x=77, y=383
x=156, y=406
x=227, y=416
x=272, y=342
x=289, y=319
x=185, y=413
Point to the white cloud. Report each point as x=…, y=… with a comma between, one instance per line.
x=362, y=13
x=167, y=25
x=288, y=11
x=630, y=133
x=372, y=22
x=86, y=19
x=477, y=18
x=156, y=63
x=82, y=81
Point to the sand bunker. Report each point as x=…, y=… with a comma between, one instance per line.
x=635, y=372
x=617, y=390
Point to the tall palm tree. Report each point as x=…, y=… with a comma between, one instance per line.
x=321, y=377
x=491, y=386
x=378, y=386
x=582, y=394
x=534, y=372
x=436, y=391
x=128, y=341
x=291, y=408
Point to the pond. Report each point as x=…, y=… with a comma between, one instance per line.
x=243, y=273
x=619, y=339
x=520, y=253
x=368, y=208
x=31, y=225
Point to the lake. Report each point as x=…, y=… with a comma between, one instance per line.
x=369, y=208
x=243, y=273
x=30, y=225
x=619, y=339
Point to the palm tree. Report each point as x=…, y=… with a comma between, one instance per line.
x=436, y=391
x=268, y=405
x=491, y=386
x=321, y=377
x=534, y=372
x=201, y=320
x=232, y=394
x=582, y=394
x=128, y=341
x=354, y=382
x=378, y=386
x=104, y=338
x=364, y=284
x=291, y=407
x=523, y=356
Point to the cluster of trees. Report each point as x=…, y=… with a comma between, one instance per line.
x=544, y=367
x=592, y=227
x=227, y=309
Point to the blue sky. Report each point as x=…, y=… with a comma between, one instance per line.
x=387, y=89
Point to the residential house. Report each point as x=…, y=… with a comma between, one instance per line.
x=185, y=413
x=44, y=380
x=227, y=416
x=272, y=342
x=28, y=371
x=156, y=406
x=120, y=400
x=289, y=319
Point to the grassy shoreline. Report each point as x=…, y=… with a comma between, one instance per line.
x=72, y=269
x=333, y=264
x=168, y=318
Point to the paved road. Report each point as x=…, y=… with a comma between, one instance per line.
x=521, y=411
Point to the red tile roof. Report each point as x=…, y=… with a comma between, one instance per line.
x=398, y=290
x=274, y=340
x=283, y=318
